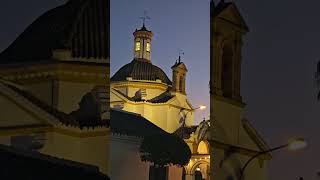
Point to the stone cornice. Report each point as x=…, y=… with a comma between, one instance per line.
x=57, y=71
x=60, y=129
x=81, y=133
x=140, y=84
x=229, y=101
x=23, y=130
x=126, y=100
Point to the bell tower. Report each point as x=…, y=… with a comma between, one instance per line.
x=179, y=72
x=227, y=31
x=227, y=28
x=226, y=105
x=142, y=41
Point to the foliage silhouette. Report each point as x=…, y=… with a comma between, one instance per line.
x=165, y=149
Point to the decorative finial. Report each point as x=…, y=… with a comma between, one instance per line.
x=180, y=53
x=144, y=17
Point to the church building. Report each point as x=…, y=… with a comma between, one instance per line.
x=144, y=91
x=142, y=87
x=54, y=85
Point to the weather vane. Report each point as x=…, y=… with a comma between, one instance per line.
x=145, y=17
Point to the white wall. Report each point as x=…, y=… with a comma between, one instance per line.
x=125, y=162
x=125, y=159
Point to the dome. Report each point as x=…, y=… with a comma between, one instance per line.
x=140, y=69
x=55, y=30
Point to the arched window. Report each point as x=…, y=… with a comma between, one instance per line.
x=227, y=71
x=148, y=47
x=202, y=148
x=138, y=46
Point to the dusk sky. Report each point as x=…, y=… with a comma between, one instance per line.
x=279, y=60
x=174, y=28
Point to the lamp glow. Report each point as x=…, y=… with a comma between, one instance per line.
x=202, y=107
x=296, y=144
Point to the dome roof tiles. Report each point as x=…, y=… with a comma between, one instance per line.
x=140, y=69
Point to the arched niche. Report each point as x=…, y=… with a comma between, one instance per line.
x=203, y=148
x=227, y=70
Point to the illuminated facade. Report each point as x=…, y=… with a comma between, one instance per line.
x=142, y=88
x=145, y=89
x=54, y=85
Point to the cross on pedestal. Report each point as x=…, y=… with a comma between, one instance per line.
x=145, y=17
x=181, y=52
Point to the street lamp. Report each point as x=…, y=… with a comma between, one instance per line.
x=184, y=117
x=202, y=107
x=292, y=145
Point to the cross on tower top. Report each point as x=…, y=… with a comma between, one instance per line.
x=181, y=52
x=145, y=17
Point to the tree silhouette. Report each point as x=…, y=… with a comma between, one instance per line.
x=165, y=149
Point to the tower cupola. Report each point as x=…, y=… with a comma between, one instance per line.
x=142, y=44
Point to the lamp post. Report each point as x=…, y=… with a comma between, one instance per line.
x=292, y=145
